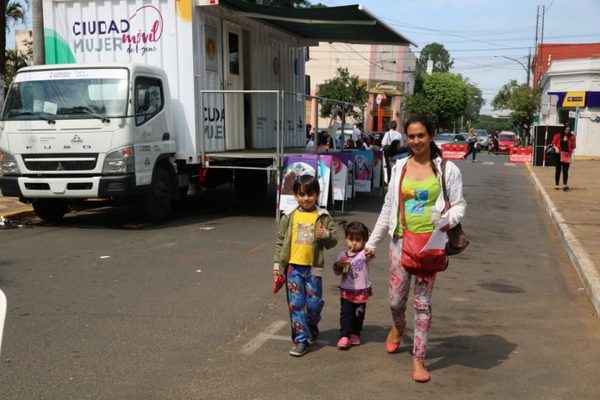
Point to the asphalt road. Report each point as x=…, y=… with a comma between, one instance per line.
x=107, y=307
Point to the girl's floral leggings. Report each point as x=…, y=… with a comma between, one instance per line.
x=398, y=297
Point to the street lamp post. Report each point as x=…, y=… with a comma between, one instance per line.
x=526, y=68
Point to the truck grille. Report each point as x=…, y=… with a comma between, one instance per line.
x=60, y=162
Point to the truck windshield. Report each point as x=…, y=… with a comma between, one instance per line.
x=76, y=97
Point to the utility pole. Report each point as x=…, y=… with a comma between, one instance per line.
x=38, y=33
x=528, y=66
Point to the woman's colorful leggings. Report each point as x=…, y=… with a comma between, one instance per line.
x=398, y=296
x=305, y=301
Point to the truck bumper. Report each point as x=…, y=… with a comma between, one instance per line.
x=72, y=187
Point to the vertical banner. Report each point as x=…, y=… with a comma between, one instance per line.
x=348, y=159
x=324, y=174
x=339, y=170
x=293, y=168
x=363, y=165
x=377, y=168
x=323, y=163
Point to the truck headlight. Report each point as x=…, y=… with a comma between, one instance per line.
x=120, y=161
x=8, y=164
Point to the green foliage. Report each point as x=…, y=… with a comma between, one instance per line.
x=491, y=124
x=439, y=55
x=343, y=87
x=15, y=61
x=503, y=96
x=444, y=98
x=15, y=12
x=475, y=101
x=521, y=100
x=418, y=104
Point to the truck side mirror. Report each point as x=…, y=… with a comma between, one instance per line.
x=143, y=100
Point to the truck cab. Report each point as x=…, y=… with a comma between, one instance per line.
x=77, y=131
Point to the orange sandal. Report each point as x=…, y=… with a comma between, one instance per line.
x=392, y=347
x=420, y=374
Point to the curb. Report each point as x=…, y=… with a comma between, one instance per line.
x=584, y=266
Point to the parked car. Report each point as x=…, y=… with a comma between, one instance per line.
x=449, y=138
x=506, y=140
x=483, y=139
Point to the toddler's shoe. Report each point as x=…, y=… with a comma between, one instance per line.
x=355, y=339
x=343, y=343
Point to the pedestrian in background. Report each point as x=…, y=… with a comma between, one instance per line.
x=355, y=289
x=493, y=147
x=472, y=143
x=420, y=193
x=564, y=143
x=304, y=234
x=357, y=131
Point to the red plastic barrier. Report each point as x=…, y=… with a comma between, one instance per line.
x=520, y=154
x=454, y=151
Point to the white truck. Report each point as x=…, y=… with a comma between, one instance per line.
x=140, y=98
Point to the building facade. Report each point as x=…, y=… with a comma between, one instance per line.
x=570, y=93
x=387, y=70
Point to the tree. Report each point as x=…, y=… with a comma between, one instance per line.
x=15, y=60
x=439, y=55
x=444, y=98
x=343, y=87
x=13, y=11
x=475, y=101
x=503, y=96
x=521, y=100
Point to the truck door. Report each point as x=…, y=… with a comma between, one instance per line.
x=233, y=79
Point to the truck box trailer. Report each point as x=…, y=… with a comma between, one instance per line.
x=141, y=98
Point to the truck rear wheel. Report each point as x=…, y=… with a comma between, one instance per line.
x=159, y=201
x=50, y=210
x=250, y=184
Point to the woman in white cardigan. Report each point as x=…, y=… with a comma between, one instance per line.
x=421, y=193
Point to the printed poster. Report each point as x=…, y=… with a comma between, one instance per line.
x=293, y=168
x=349, y=159
x=339, y=169
x=363, y=170
x=377, y=168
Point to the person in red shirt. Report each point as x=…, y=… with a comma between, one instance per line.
x=564, y=144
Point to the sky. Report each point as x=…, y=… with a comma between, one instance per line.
x=478, y=34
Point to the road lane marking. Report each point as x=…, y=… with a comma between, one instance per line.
x=488, y=163
x=509, y=164
x=269, y=333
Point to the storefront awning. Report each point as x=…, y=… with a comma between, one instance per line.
x=347, y=24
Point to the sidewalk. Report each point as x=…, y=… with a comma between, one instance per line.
x=11, y=207
x=576, y=214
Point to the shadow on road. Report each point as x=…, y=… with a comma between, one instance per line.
x=481, y=352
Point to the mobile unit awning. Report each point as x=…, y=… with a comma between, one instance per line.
x=346, y=24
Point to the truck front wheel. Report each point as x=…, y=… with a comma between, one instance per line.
x=50, y=210
x=159, y=201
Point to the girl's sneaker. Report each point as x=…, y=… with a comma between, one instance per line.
x=355, y=340
x=299, y=349
x=343, y=343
